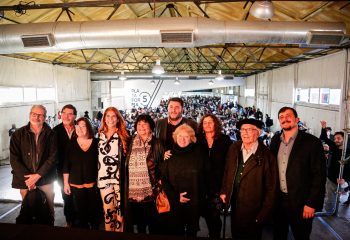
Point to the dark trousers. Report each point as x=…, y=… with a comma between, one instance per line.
x=250, y=231
x=211, y=214
x=86, y=207
x=285, y=217
x=144, y=214
x=184, y=220
x=68, y=204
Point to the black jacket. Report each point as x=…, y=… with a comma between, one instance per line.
x=23, y=153
x=62, y=145
x=306, y=171
x=217, y=160
x=335, y=156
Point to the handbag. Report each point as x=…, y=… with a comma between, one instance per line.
x=162, y=203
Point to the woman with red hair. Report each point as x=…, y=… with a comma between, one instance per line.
x=112, y=148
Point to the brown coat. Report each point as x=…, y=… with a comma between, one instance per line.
x=258, y=185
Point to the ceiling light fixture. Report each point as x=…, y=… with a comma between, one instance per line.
x=219, y=77
x=211, y=82
x=262, y=9
x=153, y=82
x=122, y=76
x=158, y=69
x=177, y=81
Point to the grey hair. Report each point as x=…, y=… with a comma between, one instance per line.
x=39, y=106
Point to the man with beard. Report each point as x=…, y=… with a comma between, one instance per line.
x=64, y=132
x=336, y=150
x=302, y=177
x=166, y=126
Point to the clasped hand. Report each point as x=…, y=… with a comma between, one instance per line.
x=31, y=180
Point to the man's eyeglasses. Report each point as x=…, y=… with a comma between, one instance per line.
x=37, y=115
x=247, y=130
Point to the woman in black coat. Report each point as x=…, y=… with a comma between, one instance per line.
x=215, y=145
x=183, y=179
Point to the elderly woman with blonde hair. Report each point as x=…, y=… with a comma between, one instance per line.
x=184, y=181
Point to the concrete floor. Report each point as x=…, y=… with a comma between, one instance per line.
x=328, y=228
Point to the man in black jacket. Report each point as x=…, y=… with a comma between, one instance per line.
x=336, y=150
x=166, y=126
x=64, y=132
x=33, y=156
x=302, y=172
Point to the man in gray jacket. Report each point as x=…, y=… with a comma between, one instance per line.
x=32, y=156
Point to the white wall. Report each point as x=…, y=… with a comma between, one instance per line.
x=71, y=85
x=282, y=88
x=327, y=72
x=275, y=89
x=262, y=91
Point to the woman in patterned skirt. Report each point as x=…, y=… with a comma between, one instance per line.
x=112, y=147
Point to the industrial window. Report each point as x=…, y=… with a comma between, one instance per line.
x=334, y=96
x=45, y=94
x=29, y=94
x=249, y=92
x=25, y=94
x=323, y=96
x=314, y=95
x=302, y=95
x=11, y=95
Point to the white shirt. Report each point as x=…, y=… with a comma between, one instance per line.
x=247, y=153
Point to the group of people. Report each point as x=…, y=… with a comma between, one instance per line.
x=198, y=167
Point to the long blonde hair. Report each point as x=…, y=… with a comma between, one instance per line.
x=121, y=127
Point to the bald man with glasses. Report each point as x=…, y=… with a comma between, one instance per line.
x=33, y=156
x=250, y=182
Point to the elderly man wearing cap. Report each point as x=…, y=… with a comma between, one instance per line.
x=250, y=182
